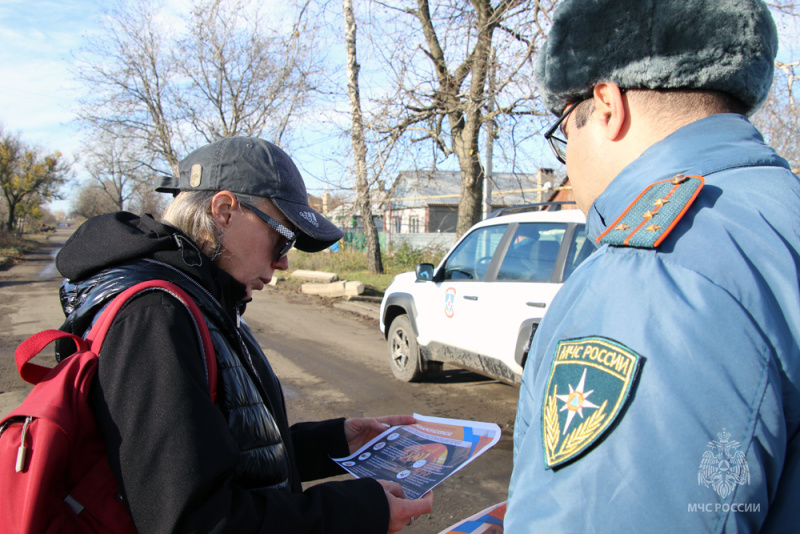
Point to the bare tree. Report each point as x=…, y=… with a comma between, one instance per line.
x=779, y=117
x=359, y=144
x=448, y=103
x=243, y=78
x=788, y=7
x=145, y=200
x=169, y=89
x=28, y=177
x=130, y=78
x=92, y=201
x=115, y=168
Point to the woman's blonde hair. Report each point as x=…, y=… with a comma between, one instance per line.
x=190, y=212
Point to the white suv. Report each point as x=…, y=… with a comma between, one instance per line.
x=480, y=307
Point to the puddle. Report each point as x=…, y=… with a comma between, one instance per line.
x=50, y=270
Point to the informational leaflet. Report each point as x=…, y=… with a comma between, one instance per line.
x=489, y=521
x=420, y=456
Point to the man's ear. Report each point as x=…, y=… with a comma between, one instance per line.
x=223, y=205
x=610, y=105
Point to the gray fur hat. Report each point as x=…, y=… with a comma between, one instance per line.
x=721, y=45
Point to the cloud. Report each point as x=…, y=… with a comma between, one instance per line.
x=38, y=97
x=37, y=94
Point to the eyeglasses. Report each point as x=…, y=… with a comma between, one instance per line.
x=559, y=145
x=290, y=236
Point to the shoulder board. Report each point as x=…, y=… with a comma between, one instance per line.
x=654, y=213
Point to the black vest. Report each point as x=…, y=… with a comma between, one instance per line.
x=251, y=401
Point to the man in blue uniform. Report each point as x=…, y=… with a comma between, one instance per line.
x=661, y=391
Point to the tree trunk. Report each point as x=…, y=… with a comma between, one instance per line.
x=359, y=145
x=466, y=132
x=464, y=113
x=471, y=201
x=11, y=219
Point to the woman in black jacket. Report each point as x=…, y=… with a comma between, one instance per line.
x=183, y=462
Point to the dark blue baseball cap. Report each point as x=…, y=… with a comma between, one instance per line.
x=252, y=166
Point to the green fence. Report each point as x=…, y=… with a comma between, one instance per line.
x=358, y=241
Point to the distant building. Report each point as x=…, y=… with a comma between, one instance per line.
x=347, y=217
x=425, y=202
x=422, y=209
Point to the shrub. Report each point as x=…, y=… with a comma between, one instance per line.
x=405, y=258
x=13, y=246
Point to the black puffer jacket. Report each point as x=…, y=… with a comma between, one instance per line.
x=184, y=463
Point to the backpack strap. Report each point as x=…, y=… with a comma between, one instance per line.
x=28, y=349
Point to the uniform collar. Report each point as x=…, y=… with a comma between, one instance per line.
x=704, y=147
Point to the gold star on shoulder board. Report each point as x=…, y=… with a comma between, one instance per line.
x=653, y=228
x=660, y=202
x=648, y=215
x=621, y=227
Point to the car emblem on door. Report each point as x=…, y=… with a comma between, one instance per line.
x=449, y=301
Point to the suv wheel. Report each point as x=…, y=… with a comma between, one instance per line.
x=404, y=351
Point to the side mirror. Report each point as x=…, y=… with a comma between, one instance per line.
x=424, y=272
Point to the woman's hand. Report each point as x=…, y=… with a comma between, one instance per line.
x=402, y=511
x=358, y=432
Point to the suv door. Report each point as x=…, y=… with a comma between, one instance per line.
x=529, y=275
x=450, y=310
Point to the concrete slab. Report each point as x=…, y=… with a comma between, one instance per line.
x=334, y=289
x=353, y=288
x=340, y=288
x=315, y=276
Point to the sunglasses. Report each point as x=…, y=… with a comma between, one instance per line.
x=290, y=236
x=559, y=145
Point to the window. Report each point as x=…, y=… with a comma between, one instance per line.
x=579, y=249
x=442, y=218
x=471, y=259
x=533, y=252
x=414, y=225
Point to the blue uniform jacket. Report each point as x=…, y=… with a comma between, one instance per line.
x=661, y=392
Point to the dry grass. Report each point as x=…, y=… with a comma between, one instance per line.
x=353, y=265
x=12, y=246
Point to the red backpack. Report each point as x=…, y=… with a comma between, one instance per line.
x=54, y=472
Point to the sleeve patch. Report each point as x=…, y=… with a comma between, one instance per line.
x=656, y=211
x=589, y=383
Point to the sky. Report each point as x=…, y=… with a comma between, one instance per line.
x=38, y=97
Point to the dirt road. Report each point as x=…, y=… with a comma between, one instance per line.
x=332, y=363
x=28, y=304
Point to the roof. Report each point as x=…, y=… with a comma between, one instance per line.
x=443, y=188
x=561, y=216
